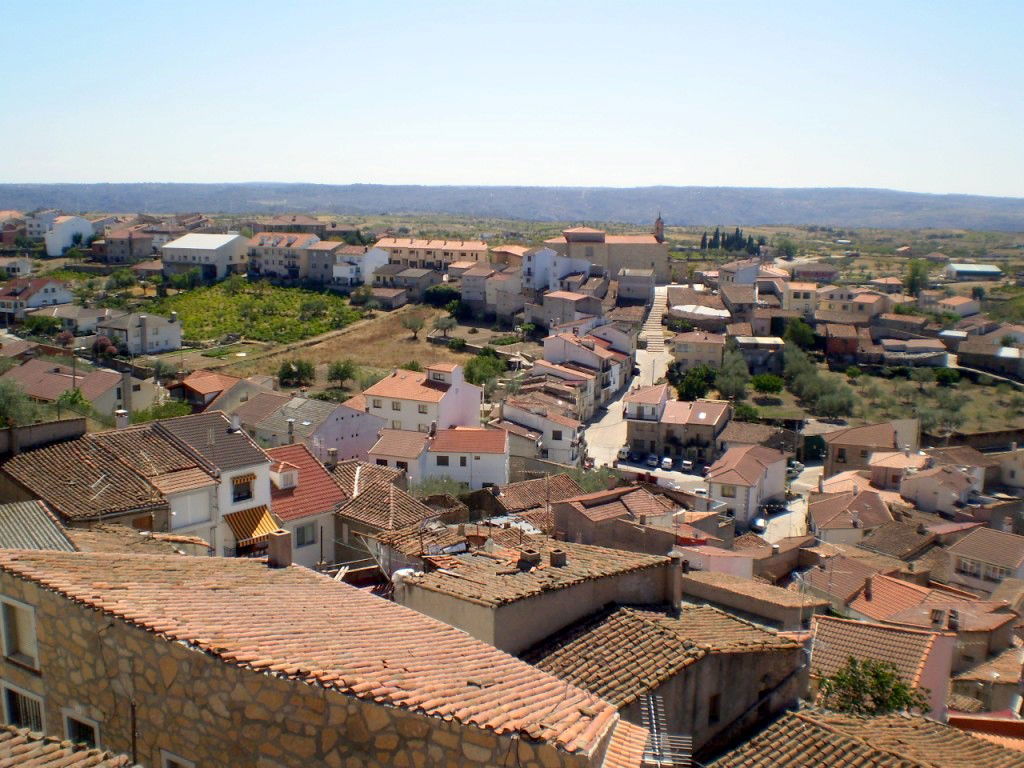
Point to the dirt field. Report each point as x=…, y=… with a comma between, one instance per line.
x=381, y=343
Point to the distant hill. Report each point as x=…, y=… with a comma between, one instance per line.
x=679, y=205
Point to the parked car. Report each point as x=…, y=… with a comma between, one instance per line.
x=636, y=457
x=666, y=463
x=653, y=460
x=759, y=525
x=687, y=465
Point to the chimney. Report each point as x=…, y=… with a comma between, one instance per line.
x=433, y=429
x=528, y=558
x=279, y=549
x=126, y=390
x=120, y=418
x=867, y=588
x=821, y=483
x=291, y=430
x=906, y=451
x=558, y=558
x=332, y=458
x=675, y=582
x=174, y=317
x=953, y=625
x=236, y=423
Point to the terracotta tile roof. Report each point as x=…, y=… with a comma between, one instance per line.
x=21, y=747
x=46, y=381
x=836, y=640
x=1000, y=730
x=743, y=464
x=698, y=337
x=624, y=652
x=898, y=460
x=303, y=626
x=626, y=746
x=469, y=440
x=962, y=455
x=859, y=480
x=259, y=406
x=354, y=476
x=408, y=385
x=617, y=503
x=697, y=413
x=493, y=578
x=898, y=539
x=841, y=577
x=251, y=526
x=991, y=546
x=25, y=288
x=437, y=538
x=959, y=703
x=316, y=491
x=652, y=395
x=901, y=602
x=400, y=443
x=438, y=245
x=528, y=494
x=122, y=539
x=31, y=525
x=209, y=436
x=813, y=737
x=752, y=590
x=1007, y=667
x=747, y=433
x=385, y=507
x=888, y=596
x=739, y=329
x=516, y=429
x=869, y=435
x=182, y=480
x=208, y=382
x=842, y=510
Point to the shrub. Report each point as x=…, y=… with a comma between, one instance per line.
x=296, y=373
x=853, y=373
x=485, y=367
x=745, y=412
x=441, y=295
x=456, y=345
x=412, y=365
x=947, y=377
x=40, y=325
x=767, y=383
x=167, y=410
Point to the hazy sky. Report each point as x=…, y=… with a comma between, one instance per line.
x=922, y=96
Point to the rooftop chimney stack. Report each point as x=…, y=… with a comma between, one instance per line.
x=954, y=620
x=120, y=418
x=236, y=423
x=279, y=548
x=938, y=617
x=675, y=582
x=558, y=558
x=291, y=430
x=867, y=588
x=332, y=458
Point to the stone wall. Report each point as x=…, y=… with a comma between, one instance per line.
x=215, y=714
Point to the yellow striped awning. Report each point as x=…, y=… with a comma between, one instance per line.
x=239, y=479
x=251, y=526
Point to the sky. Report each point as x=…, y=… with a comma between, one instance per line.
x=911, y=95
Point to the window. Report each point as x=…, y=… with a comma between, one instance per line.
x=422, y=408
x=556, y=435
x=396, y=405
x=396, y=424
x=442, y=461
x=305, y=535
x=377, y=403
x=841, y=455
x=968, y=567
x=714, y=708
x=19, y=626
x=170, y=760
x=403, y=465
x=462, y=461
x=241, y=491
x=382, y=462
x=729, y=491
x=23, y=709
x=81, y=730
x=434, y=376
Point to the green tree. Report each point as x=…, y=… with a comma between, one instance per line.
x=853, y=373
x=745, y=412
x=16, y=409
x=978, y=292
x=594, y=480
x=121, y=278
x=916, y=279
x=42, y=325
x=413, y=323
x=947, y=377
x=733, y=377
x=485, y=367
x=438, y=485
x=296, y=373
x=73, y=400
x=441, y=295
x=800, y=333
x=341, y=371
x=695, y=383
x=767, y=383
x=922, y=376
x=525, y=329
x=870, y=687
x=445, y=324
x=786, y=247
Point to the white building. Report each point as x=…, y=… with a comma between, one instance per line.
x=745, y=477
x=544, y=267
x=475, y=456
x=559, y=435
x=17, y=296
x=15, y=266
x=612, y=366
x=38, y=223
x=64, y=232
x=358, y=268
x=216, y=256
x=142, y=334
x=415, y=401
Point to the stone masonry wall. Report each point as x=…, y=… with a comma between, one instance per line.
x=216, y=714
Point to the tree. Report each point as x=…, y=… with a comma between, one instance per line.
x=445, y=324
x=42, y=325
x=1007, y=341
x=439, y=485
x=767, y=383
x=101, y=346
x=485, y=367
x=296, y=373
x=15, y=407
x=525, y=329
x=121, y=278
x=704, y=241
x=413, y=323
x=695, y=383
x=441, y=295
x=870, y=687
x=800, y=333
x=853, y=373
x=947, y=377
x=745, y=412
x=786, y=247
x=922, y=376
x=73, y=400
x=732, y=378
x=716, y=240
x=341, y=371
x=65, y=338
x=916, y=279
x=978, y=292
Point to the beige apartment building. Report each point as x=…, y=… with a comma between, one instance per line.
x=281, y=254
x=431, y=254
x=613, y=253
x=800, y=297
x=698, y=348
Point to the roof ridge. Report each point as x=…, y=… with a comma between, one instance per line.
x=807, y=719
